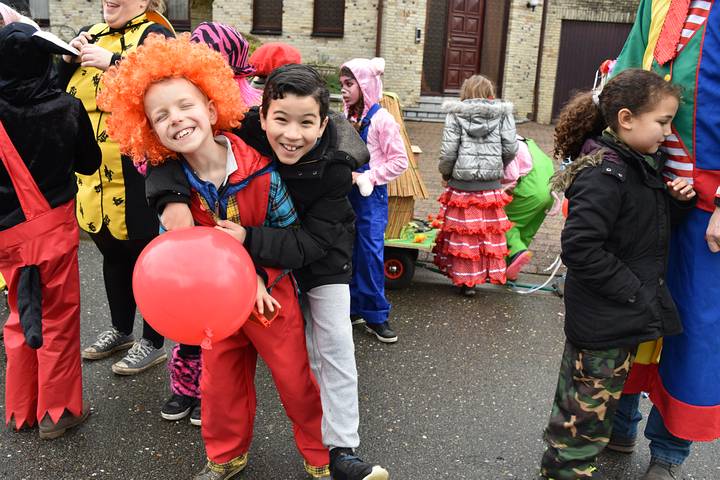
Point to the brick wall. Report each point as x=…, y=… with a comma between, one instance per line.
x=523, y=44
x=403, y=56
x=73, y=14
x=620, y=11
x=521, y=56
x=401, y=17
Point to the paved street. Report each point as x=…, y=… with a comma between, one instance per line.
x=464, y=394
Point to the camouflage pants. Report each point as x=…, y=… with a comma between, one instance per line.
x=588, y=390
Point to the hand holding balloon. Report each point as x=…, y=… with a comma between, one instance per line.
x=195, y=285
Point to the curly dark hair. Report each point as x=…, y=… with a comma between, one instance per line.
x=634, y=89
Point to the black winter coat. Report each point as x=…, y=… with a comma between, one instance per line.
x=320, y=248
x=615, y=245
x=49, y=128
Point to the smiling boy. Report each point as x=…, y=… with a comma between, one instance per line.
x=187, y=106
x=316, y=155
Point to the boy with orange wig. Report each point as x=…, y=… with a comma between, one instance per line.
x=181, y=109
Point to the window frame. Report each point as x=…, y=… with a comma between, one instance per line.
x=267, y=29
x=325, y=31
x=180, y=25
x=42, y=22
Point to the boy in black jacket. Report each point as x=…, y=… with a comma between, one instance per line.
x=316, y=155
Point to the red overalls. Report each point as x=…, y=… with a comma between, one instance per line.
x=49, y=379
x=227, y=383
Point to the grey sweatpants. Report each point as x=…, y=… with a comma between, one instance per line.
x=331, y=352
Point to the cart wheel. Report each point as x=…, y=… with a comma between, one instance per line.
x=399, y=267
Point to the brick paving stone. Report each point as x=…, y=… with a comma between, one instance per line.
x=427, y=136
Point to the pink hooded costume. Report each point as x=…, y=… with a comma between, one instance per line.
x=388, y=160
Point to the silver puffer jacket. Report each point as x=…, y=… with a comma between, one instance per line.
x=478, y=141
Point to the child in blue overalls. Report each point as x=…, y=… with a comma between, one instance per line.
x=361, y=90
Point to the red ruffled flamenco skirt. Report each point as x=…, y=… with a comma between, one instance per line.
x=470, y=247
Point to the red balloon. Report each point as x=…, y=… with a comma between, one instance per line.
x=195, y=285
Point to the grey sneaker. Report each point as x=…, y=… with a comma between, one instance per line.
x=659, y=470
x=107, y=343
x=141, y=356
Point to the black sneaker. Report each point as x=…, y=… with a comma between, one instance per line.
x=467, y=291
x=382, y=331
x=357, y=320
x=345, y=465
x=195, y=415
x=177, y=407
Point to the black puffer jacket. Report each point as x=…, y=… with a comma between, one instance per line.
x=615, y=246
x=320, y=248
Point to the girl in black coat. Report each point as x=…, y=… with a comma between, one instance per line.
x=615, y=247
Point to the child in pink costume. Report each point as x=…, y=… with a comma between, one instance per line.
x=361, y=91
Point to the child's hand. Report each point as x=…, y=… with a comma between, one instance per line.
x=263, y=299
x=364, y=184
x=355, y=175
x=176, y=215
x=233, y=229
x=556, y=206
x=680, y=190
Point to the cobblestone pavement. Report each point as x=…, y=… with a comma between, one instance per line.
x=428, y=135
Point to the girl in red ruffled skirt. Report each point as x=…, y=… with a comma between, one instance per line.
x=478, y=141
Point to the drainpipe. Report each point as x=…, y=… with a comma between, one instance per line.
x=541, y=47
x=378, y=35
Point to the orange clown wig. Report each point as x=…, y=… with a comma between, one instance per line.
x=123, y=91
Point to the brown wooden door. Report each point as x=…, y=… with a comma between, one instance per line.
x=464, y=41
x=583, y=47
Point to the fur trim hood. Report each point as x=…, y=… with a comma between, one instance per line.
x=562, y=179
x=478, y=116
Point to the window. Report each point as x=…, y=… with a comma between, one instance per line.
x=267, y=17
x=329, y=18
x=178, y=12
x=38, y=10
